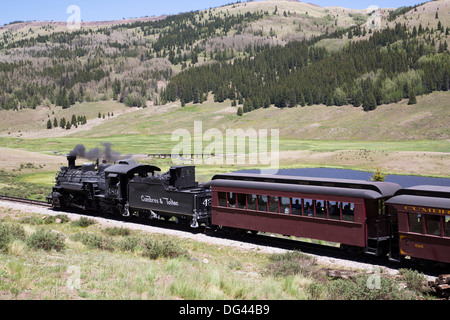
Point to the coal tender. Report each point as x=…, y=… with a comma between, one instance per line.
x=172, y=194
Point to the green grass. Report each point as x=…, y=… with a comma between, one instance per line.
x=88, y=263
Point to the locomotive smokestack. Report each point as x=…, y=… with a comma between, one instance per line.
x=71, y=159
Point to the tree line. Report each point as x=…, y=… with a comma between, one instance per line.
x=391, y=65
x=75, y=121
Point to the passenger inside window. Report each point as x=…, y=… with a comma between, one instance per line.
x=241, y=201
x=321, y=209
x=308, y=209
x=333, y=211
x=273, y=204
x=262, y=203
x=348, y=213
x=231, y=200
x=296, y=206
x=285, y=205
x=251, y=201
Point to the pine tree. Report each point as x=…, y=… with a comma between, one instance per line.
x=378, y=176
x=49, y=124
x=55, y=123
x=72, y=98
x=240, y=112
x=412, y=97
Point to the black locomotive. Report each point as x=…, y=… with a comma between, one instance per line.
x=127, y=188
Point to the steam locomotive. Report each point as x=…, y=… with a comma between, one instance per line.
x=127, y=188
x=377, y=218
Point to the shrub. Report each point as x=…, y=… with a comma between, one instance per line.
x=63, y=217
x=129, y=244
x=94, y=241
x=290, y=263
x=166, y=248
x=116, y=231
x=414, y=279
x=33, y=220
x=46, y=240
x=83, y=222
x=316, y=291
x=358, y=289
x=9, y=233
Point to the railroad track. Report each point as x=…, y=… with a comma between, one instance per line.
x=26, y=201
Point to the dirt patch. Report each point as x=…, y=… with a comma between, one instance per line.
x=13, y=159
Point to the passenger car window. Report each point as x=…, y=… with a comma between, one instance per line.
x=222, y=199
x=433, y=225
x=321, y=209
x=308, y=209
x=241, y=198
x=262, y=203
x=285, y=205
x=251, y=201
x=446, y=226
x=334, y=211
x=297, y=206
x=273, y=204
x=415, y=222
x=348, y=212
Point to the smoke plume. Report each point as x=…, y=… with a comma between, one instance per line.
x=105, y=153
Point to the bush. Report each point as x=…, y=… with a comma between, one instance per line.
x=63, y=217
x=129, y=244
x=94, y=241
x=33, y=220
x=414, y=279
x=358, y=289
x=290, y=263
x=116, y=231
x=166, y=248
x=47, y=240
x=83, y=222
x=9, y=233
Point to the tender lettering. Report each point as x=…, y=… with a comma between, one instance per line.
x=163, y=201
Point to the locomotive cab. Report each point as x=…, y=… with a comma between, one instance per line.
x=117, y=178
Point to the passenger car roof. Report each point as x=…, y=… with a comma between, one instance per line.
x=341, y=187
x=424, y=195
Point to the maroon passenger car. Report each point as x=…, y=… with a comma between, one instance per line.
x=349, y=212
x=423, y=222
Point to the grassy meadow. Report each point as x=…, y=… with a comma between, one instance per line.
x=64, y=258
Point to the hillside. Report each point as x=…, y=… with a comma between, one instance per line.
x=44, y=62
